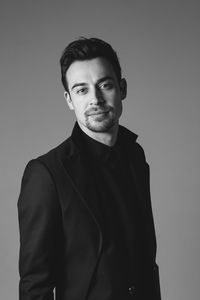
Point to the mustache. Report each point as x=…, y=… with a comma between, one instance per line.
x=98, y=110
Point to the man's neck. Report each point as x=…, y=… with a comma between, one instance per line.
x=108, y=138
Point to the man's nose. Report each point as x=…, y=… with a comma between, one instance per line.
x=96, y=97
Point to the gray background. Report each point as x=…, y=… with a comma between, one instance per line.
x=158, y=45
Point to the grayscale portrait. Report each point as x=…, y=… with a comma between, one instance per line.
x=99, y=150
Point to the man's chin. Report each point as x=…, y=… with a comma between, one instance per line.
x=100, y=126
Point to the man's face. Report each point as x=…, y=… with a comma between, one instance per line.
x=95, y=94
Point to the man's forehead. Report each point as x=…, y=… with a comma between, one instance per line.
x=93, y=69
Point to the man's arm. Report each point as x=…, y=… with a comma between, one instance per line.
x=39, y=219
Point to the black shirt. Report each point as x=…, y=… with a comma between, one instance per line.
x=119, y=216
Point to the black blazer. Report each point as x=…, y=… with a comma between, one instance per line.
x=60, y=236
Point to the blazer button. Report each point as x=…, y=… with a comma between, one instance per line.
x=131, y=290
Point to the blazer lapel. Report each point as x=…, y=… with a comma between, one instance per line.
x=80, y=172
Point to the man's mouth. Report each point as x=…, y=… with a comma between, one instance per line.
x=97, y=112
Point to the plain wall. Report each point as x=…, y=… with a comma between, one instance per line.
x=158, y=45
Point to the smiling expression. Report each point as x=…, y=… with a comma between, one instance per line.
x=95, y=94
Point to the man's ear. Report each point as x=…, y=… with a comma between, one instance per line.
x=68, y=100
x=123, y=88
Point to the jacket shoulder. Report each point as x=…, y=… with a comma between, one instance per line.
x=60, y=152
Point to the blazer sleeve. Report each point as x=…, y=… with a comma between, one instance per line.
x=39, y=227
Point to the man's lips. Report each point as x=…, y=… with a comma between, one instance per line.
x=97, y=112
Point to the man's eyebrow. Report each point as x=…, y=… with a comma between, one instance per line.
x=78, y=84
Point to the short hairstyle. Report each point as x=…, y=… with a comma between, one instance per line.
x=84, y=49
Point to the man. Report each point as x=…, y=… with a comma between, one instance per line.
x=85, y=217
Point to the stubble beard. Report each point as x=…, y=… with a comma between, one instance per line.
x=100, y=123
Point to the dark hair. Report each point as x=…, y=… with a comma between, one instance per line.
x=84, y=49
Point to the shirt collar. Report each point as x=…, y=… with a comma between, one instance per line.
x=93, y=148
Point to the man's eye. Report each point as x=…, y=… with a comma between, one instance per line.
x=82, y=91
x=106, y=86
